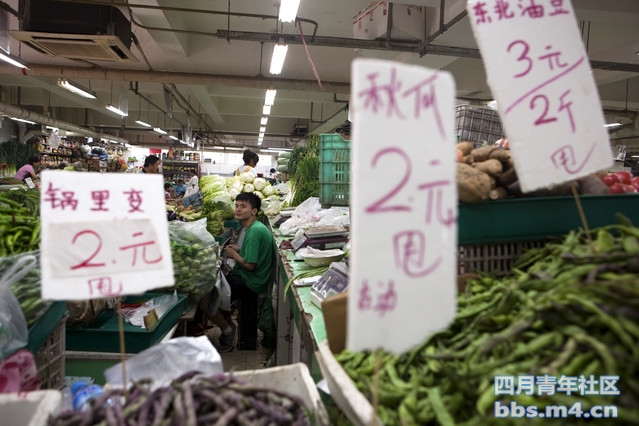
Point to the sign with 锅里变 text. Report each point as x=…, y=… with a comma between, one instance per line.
x=403, y=201
x=103, y=237
x=539, y=73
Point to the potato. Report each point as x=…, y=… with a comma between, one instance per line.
x=498, y=193
x=483, y=153
x=473, y=185
x=506, y=178
x=491, y=167
x=504, y=156
x=469, y=159
x=465, y=147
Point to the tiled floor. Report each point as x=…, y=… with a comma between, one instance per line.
x=241, y=360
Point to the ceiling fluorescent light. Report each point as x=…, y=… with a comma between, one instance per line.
x=612, y=125
x=160, y=131
x=261, y=135
x=262, y=129
x=23, y=120
x=269, y=99
x=266, y=110
x=116, y=110
x=76, y=88
x=263, y=121
x=280, y=149
x=277, y=60
x=55, y=129
x=142, y=123
x=288, y=10
x=175, y=138
x=13, y=60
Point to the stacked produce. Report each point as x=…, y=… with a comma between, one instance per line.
x=569, y=308
x=621, y=182
x=283, y=160
x=194, y=252
x=216, y=400
x=488, y=172
x=219, y=193
x=19, y=221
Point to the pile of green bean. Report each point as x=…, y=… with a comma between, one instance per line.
x=19, y=222
x=569, y=308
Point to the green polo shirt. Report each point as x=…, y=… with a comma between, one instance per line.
x=258, y=247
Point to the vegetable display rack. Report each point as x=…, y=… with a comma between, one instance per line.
x=180, y=169
x=335, y=170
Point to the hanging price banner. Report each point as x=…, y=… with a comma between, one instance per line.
x=103, y=237
x=539, y=73
x=403, y=205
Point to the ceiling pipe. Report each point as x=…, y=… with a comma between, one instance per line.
x=255, y=82
x=19, y=112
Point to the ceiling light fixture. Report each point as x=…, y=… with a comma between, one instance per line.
x=175, y=138
x=612, y=125
x=263, y=121
x=266, y=110
x=142, y=123
x=279, y=55
x=288, y=10
x=269, y=99
x=22, y=120
x=261, y=135
x=262, y=129
x=13, y=60
x=76, y=88
x=160, y=131
x=117, y=110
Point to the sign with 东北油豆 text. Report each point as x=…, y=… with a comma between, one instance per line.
x=403, y=202
x=103, y=237
x=539, y=73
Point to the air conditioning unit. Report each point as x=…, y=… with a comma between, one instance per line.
x=76, y=30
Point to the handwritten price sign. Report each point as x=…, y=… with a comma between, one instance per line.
x=103, y=238
x=539, y=73
x=403, y=205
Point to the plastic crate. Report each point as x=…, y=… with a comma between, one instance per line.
x=477, y=124
x=50, y=358
x=493, y=258
x=335, y=170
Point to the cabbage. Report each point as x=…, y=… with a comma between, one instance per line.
x=215, y=186
x=223, y=203
x=284, y=154
x=247, y=177
x=259, y=194
x=248, y=187
x=260, y=183
x=268, y=191
x=233, y=193
x=282, y=168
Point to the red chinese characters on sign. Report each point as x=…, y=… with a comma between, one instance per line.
x=390, y=98
x=59, y=199
x=143, y=245
x=489, y=11
x=104, y=287
x=381, y=299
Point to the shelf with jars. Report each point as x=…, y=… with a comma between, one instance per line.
x=180, y=169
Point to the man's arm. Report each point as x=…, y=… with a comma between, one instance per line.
x=232, y=253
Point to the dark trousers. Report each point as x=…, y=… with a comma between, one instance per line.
x=247, y=312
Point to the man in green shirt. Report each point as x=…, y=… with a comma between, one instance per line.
x=254, y=261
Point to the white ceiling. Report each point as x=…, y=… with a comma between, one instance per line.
x=224, y=81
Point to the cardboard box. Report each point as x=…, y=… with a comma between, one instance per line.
x=335, y=311
x=29, y=408
x=372, y=22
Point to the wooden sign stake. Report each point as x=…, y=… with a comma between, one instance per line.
x=122, y=346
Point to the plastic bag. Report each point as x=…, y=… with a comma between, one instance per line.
x=14, y=333
x=27, y=289
x=271, y=205
x=194, y=252
x=161, y=304
x=221, y=297
x=19, y=373
x=167, y=361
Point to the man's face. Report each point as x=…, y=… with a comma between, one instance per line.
x=153, y=168
x=243, y=210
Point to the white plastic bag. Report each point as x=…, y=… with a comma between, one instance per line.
x=14, y=333
x=221, y=296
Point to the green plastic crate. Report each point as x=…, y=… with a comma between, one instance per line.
x=335, y=170
x=103, y=336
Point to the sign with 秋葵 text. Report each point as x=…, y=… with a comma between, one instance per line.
x=403, y=203
x=103, y=237
x=540, y=75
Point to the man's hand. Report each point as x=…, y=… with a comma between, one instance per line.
x=231, y=252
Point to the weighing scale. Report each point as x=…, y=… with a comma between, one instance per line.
x=321, y=237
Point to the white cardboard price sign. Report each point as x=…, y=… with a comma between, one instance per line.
x=539, y=73
x=103, y=237
x=403, y=205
